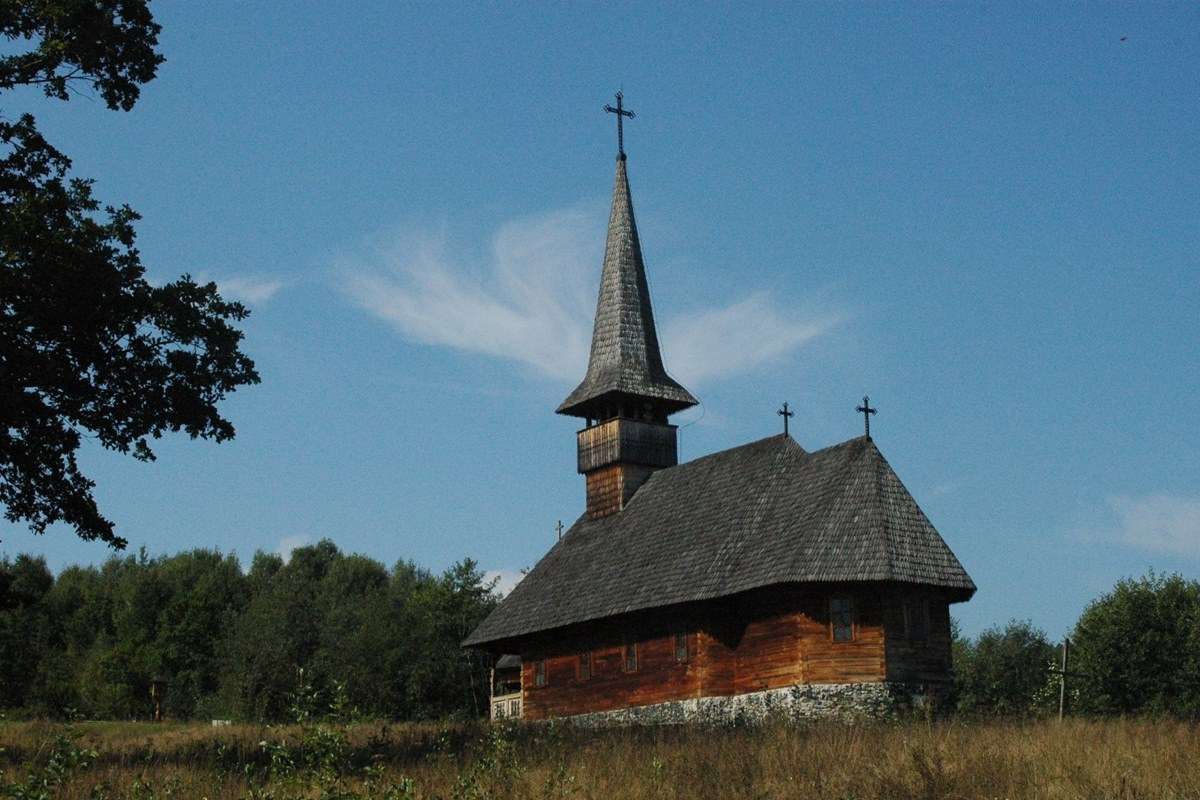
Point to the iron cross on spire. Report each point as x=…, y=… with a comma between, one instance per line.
x=866, y=410
x=621, y=114
x=783, y=412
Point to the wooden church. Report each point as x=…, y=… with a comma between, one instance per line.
x=761, y=579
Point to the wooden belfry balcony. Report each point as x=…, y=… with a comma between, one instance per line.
x=627, y=441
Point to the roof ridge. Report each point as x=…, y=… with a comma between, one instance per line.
x=743, y=446
x=846, y=443
x=700, y=460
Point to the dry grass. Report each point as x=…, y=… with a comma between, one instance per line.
x=1134, y=758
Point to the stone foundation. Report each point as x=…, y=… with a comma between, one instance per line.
x=803, y=702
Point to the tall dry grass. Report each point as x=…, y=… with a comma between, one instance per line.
x=1129, y=758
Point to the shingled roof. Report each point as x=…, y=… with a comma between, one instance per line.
x=761, y=514
x=625, y=357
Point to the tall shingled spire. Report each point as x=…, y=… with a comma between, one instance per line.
x=625, y=362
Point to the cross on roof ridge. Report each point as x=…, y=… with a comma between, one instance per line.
x=866, y=410
x=786, y=414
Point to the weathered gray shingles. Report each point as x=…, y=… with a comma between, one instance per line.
x=757, y=515
x=625, y=355
x=509, y=661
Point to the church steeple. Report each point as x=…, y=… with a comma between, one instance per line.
x=625, y=364
x=626, y=395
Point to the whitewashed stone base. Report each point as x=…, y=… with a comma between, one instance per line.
x=802, y=702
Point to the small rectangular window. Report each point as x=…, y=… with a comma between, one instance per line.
x=916, y=620
x=631, y=657
x=681, y=646
x=841, y=619
x=539, y=673
x=585, y=665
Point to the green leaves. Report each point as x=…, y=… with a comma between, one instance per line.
x=382, y=643
x=1139, y=646
x=109, y=44
x=88, y=347
x=1003, y=671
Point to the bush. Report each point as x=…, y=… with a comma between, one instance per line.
x=1003, y=672
x=1138, y=648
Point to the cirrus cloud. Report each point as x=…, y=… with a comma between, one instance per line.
x=1159, y=522
x=532, y=297
x=250, y=288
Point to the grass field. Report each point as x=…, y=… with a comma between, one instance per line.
x=952, y=759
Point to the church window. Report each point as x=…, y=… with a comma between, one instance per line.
x=585, y=665
x=631, y=657
x=841, y=619
x=916, y=620
x=539, y=673
x=681, y=646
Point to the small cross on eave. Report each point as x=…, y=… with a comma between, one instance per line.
x=866, y=410
x=621, y=113
x=786, y=414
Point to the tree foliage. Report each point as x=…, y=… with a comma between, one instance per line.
x=89, y=347
x=1139, y=648
x=233, y=644
x=1003, y=671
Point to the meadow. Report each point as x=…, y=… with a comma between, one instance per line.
x=1081, y=758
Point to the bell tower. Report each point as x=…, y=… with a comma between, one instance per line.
x=626, y=396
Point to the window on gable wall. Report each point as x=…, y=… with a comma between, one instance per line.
x=681, y=645
x=539, y=673
x=916, y=620
x=631, y=657
x=585, y=665
x=841, y=619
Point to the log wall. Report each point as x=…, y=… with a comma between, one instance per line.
x=912, y=660
x=761, y=640
x=659, y=677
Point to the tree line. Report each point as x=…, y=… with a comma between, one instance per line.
x=1134, y=650
x=324, y=628
x=329, y=629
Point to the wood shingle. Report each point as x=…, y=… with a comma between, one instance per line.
x=625, y=357
x=762, y=514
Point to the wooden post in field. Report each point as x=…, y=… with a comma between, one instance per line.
x=1063, y=674
x=1062, y=679
x=158, y=689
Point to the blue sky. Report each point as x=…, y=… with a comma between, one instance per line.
x=986, y=216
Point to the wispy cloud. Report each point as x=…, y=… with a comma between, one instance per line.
x=255, y=290
x=719, y=342
x=531, y=300
x=526, y=304
x=1159, y=522
x=506, y=579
